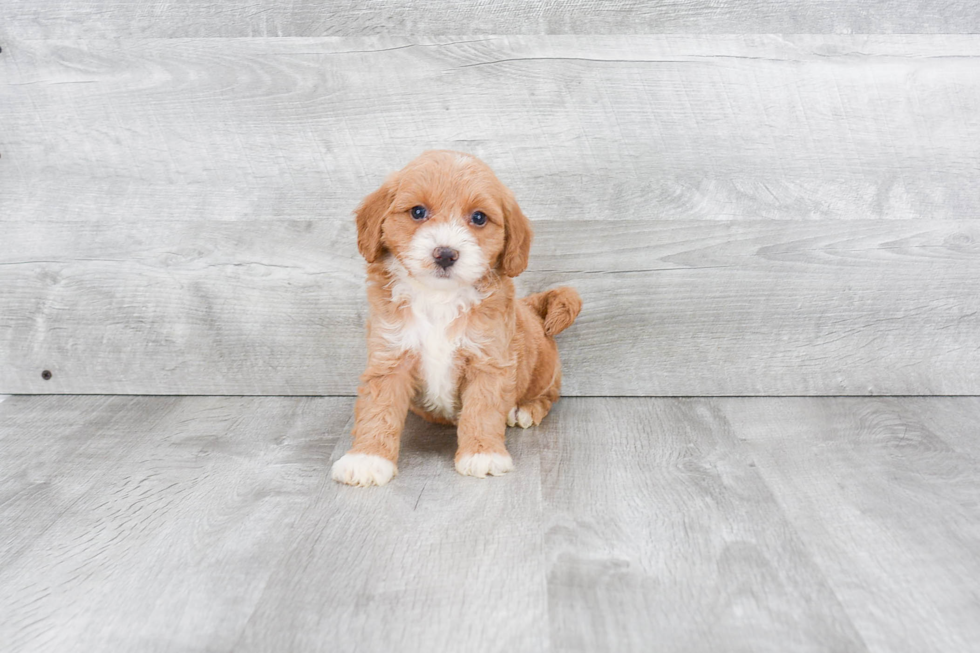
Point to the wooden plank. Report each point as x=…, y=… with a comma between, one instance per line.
x=582, y=128
x=42, y=441
x=715, y=308
x=151, y=523
x=434, y=561
x=740, y=524
x=220, y=529
x=661, y=533
x=123, y=150
x=265, y=306
x=241, y=18
x=951, y=419
x=889, y=511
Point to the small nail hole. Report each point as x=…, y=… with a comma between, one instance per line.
x=46, y=375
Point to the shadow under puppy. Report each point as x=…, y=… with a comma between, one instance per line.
x=446, y=337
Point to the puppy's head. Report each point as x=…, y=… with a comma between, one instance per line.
x=447, y=219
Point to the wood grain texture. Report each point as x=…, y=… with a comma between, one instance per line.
x=150, y=523
x=241, y=18
x=889, y=509
x=952, y=419
x=661, y=535
x=744, y=214
x=210, y=523
x=582, y=128
x=38, y=447
x=215, y=527
x=671, y=308
x=434, y=561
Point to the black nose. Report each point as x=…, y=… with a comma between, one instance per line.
x=444, y=256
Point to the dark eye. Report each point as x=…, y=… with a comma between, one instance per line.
x=479, y=218
x=418, y=212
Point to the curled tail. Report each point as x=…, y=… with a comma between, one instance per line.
x=557, y=308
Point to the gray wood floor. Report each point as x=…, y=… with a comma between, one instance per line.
x=630, y=524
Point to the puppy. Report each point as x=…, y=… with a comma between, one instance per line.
x=447, y=339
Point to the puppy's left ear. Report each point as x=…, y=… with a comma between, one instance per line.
x=370, y=214
x=517, y=238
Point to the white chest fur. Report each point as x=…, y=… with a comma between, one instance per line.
x=432, y=330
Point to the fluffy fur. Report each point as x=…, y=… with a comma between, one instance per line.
x=453, y=345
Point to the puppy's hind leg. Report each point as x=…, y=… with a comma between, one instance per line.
x=530, y=412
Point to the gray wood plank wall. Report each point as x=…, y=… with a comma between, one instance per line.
x=744, y=214
x=683, y=307
x=249, y=18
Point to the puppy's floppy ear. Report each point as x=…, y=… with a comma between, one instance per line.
x=517, y=238
x=370, y=213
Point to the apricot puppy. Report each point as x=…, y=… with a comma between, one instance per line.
x=446, y=338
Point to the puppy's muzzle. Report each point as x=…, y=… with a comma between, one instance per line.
x=445, y=256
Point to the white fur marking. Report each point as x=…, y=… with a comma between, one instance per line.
x=362, y=469
x=481, y=464
x=430, y=333
x=469, y=267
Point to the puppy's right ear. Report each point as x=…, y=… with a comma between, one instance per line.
x=518, y=236
x=370, y=214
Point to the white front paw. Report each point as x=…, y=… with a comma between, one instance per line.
x=481, y=464
x=363, y=469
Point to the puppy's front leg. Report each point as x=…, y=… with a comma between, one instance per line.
x=486, y=398
x=379, y=417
